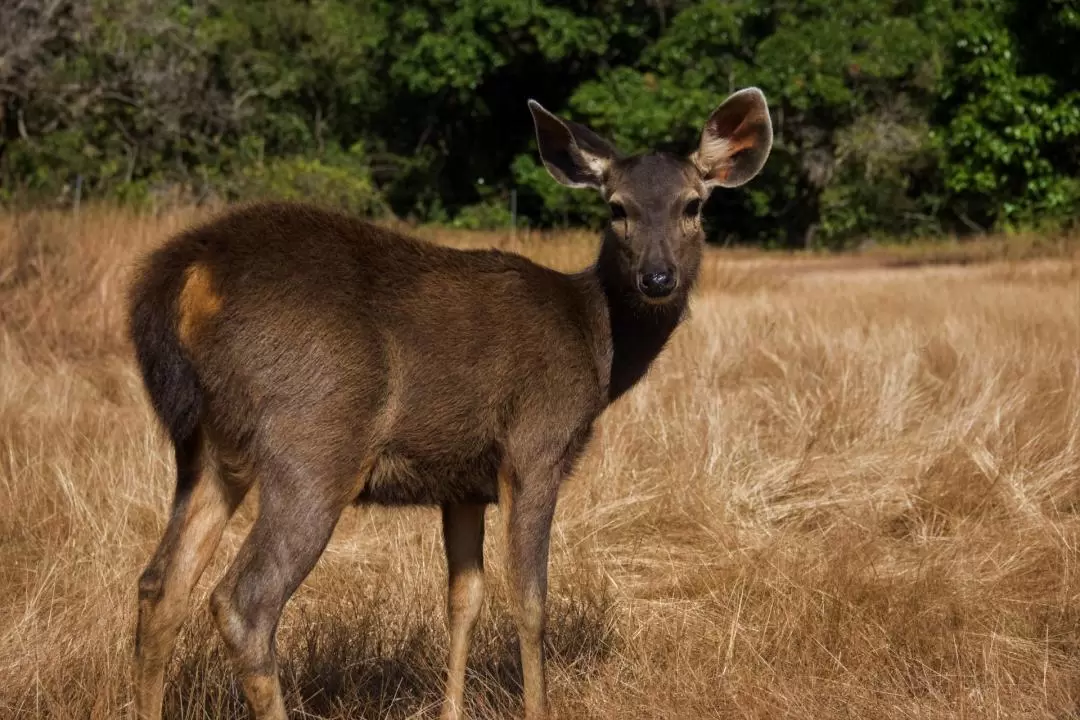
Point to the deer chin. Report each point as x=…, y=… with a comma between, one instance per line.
x=658, y=302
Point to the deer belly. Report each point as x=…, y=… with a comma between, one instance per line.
x=396, y=478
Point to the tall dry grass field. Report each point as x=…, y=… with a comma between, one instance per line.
x=845, y=491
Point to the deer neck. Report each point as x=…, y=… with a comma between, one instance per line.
x=639, y=330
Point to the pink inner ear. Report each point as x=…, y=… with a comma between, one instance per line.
x=728, y=124
x=719, y=163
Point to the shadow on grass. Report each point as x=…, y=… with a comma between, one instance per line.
x=360, y=660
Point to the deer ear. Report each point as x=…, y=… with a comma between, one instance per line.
x=572, y=153
x=736, y=140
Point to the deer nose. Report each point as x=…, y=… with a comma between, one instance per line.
x=657, y=284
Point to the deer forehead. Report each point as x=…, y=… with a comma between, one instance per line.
x=652, y=181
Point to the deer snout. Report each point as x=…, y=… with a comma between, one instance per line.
x=657, y=284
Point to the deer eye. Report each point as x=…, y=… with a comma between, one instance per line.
x=692, y=208
x=618, y=212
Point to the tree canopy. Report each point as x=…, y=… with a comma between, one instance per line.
x=893, y=117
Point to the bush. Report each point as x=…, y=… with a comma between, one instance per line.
x=491, y=214
x=341, y=181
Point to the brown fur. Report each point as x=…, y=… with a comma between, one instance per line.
x=333, y=361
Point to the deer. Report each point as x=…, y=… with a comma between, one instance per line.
x=333, y=362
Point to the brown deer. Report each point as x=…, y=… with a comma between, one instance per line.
x=335, y=362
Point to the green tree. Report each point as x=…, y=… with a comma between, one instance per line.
x=837, y=73
x=1010, y=138
x=892, y=117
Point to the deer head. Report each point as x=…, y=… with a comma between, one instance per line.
x=654, y=235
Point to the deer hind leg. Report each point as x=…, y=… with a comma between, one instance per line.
x=527, y=504
x=294, y=523
x=463, y=535
x=205, y=500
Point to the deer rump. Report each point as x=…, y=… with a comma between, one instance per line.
x=396, y=367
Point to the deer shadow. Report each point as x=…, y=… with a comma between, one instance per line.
x=368, y=663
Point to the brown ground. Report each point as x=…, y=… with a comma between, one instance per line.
x=847, y=491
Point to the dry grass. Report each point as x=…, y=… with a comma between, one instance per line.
x=847, y=491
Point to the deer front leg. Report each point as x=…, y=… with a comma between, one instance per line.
x=528, y=504
x=463, y=535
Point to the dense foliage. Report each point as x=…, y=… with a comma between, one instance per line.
x=893, y=117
